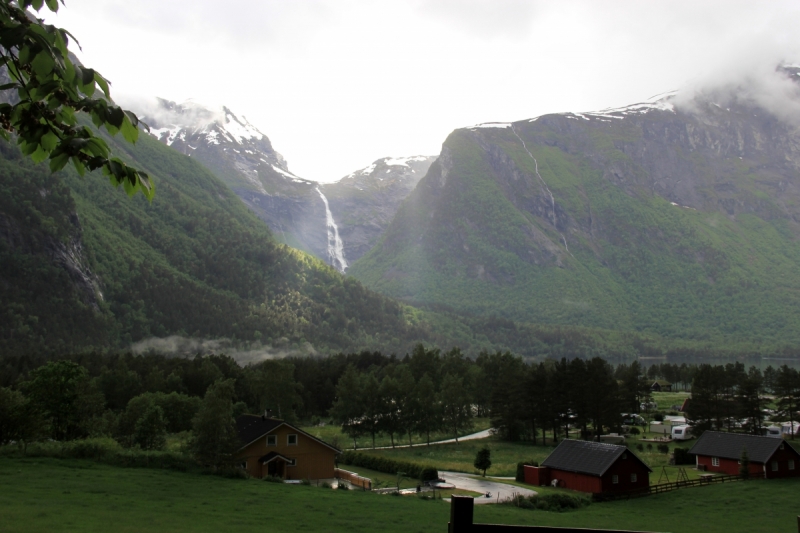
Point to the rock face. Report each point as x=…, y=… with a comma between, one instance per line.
x=673, y=216
x=364, y=202
x=358, y=207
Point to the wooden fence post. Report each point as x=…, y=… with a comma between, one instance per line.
x=461, y=514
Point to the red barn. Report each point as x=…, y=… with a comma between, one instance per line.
x=590, y=466
x=716, y=451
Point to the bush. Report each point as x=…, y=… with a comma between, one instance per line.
x=521, y=469
x=429, y=473
x=556, y=502
x=634, y=431
x=649, y=447
x=325, y=485
x=342, y=486
x=275, y=479
x=658, y=417
x=640, y=446
x=663, y=448
x=390, y=466
x=683, y=457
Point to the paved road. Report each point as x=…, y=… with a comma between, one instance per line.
x=479, y=435
x=479, y=484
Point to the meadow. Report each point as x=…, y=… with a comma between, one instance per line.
x=45, y=494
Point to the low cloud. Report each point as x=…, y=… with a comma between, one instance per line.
x=158, y=112
x=177, y=346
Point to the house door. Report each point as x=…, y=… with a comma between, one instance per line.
x=275, y=468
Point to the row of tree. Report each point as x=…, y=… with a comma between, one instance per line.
x=732, y=398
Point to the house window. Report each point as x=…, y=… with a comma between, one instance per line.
x=243, y=465
x=791, y=464
x=291, y=440
x=614, y=479
x=774, y=466
x=624, y=455
x=292, y=462
x=715, y=461
x=633, y=478
x=781, y=445
x=272, y=440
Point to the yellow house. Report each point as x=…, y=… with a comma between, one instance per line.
x=273, y=447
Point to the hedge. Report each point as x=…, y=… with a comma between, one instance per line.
x=389, y=466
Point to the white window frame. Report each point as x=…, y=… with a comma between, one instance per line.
x=774, y=466
x=791, y=464
x=715, y=461
x=292, y=462
x=289, y=439
x=614, y=479
x=273, y=438
x=633, y=478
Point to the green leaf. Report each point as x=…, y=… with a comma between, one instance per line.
x=49, y=141
x=129, y=131
x=58, y=162
x=79, y=166
x=53, y=5
x=39, y=155
x=37, y=4
x=103, y=83
x=43, y=63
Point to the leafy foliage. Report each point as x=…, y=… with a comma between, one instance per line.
x=50, y=89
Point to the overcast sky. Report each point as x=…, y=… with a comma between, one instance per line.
x=338, y=84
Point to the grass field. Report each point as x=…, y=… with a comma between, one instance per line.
x=665, y=400
x=71, y=495
x=332, y=434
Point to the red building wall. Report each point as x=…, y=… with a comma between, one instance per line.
x=727, y=466
x=783, y=457
x=623, y=468
x=536, y=475
x=575, y=481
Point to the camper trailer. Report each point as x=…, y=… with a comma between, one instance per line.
x=775, y=432
x=682, y=432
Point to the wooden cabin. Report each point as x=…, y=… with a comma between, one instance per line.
x=589, y=466
x=718, y=451
x=272, y=447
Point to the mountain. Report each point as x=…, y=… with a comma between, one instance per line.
x=84, y=267
x=364, y=202
x=678, y=217
x=301, y=213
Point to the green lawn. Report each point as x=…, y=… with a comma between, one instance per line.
x=459, y=457
x=333, y=435
x=70, y=495
x=665, y=400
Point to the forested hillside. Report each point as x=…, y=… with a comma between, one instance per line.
x=84, y=266
x=673, y=219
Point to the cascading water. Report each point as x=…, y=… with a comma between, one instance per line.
x=546, y=188
x=335, y=244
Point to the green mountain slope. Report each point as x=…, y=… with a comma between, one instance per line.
x=650, y=218
x=83, y=266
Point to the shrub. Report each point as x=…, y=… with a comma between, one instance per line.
x=634, y=431
x=429, y=473
x=275, y=479
x=390, y=466
x=342, y=486
x=649, y=447
x=658, y=417
x=640, y=446
x=557, y=502
x=683, y=457
x=325, y=485
x=663, y=448
x=521, y=469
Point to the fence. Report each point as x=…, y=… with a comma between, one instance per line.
x=353, y=478
x=674, y=485
x=461, y=521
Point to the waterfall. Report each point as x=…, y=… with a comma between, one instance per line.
x=546, y=188
x=335, y=244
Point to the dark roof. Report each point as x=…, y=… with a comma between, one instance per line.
x=273, y=455
x=587, y=457
x=730, y=446
x=253, y=427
